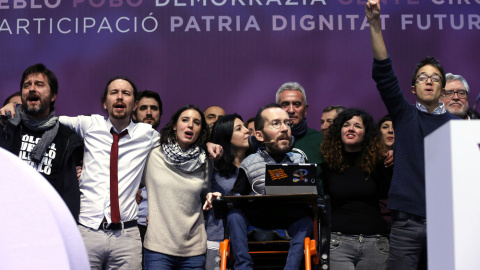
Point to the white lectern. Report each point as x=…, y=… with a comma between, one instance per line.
x=452, y=167
x=37, y=230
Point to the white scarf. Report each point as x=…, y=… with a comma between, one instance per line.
x=185, y=160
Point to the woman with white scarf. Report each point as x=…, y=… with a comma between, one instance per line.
x=177, y=177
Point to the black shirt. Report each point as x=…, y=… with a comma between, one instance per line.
x=52, y=159
x=355, y=198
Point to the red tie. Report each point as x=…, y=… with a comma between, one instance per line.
x=114, y=208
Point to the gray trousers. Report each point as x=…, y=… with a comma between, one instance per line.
x=408, y=245
x=114, y=249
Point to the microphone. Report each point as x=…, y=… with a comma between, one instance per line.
x=475, y=104
x=7, y=116
x=271, y=141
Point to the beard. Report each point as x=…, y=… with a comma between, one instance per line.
x=119, y=116
x=126, y=113
x=459, y=112
x=151, y=121
x=276, y=147
x=40, y=109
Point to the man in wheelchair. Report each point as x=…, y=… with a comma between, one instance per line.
x=273, y=129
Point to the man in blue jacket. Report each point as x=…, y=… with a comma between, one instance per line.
x=412, y=123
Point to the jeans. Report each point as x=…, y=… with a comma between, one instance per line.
x=237, y=224
x=161, y=261
x=349, y=251
x=408, y=242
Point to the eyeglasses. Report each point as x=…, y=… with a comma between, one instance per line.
x=423, y=78
x=277, y=124
x=460, y=93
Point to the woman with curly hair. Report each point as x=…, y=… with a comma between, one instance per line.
x=355, y=178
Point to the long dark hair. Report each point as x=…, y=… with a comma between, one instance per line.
x=372, y=147
x=222, y=132
x=167, y=134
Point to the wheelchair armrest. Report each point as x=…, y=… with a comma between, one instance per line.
x=220, y=208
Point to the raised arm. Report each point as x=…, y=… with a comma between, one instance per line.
x=372, y=11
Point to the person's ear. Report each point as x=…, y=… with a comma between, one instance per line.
x=135, y=106
x=54, y=97
x=259, y=136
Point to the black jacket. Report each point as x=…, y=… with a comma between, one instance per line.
x=66, y=182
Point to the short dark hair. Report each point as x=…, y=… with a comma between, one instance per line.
x=167, y=134
x=259, y=121
x=384, y=119
x=16, y=94
x=104, y=97
x=150, y=94
x=338, y=108
x=429, y=60
x=41, y=69
x=250, y=120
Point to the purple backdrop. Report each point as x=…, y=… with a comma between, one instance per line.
x=191, y=54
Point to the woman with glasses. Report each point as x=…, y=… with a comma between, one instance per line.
x=355, y=178
x=229, y=132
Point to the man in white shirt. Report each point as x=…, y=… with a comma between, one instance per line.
x=114, y=245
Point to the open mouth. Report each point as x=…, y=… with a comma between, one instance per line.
x=428, y=89
x=33, y=98
x=189, y=134
x=119, y=106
